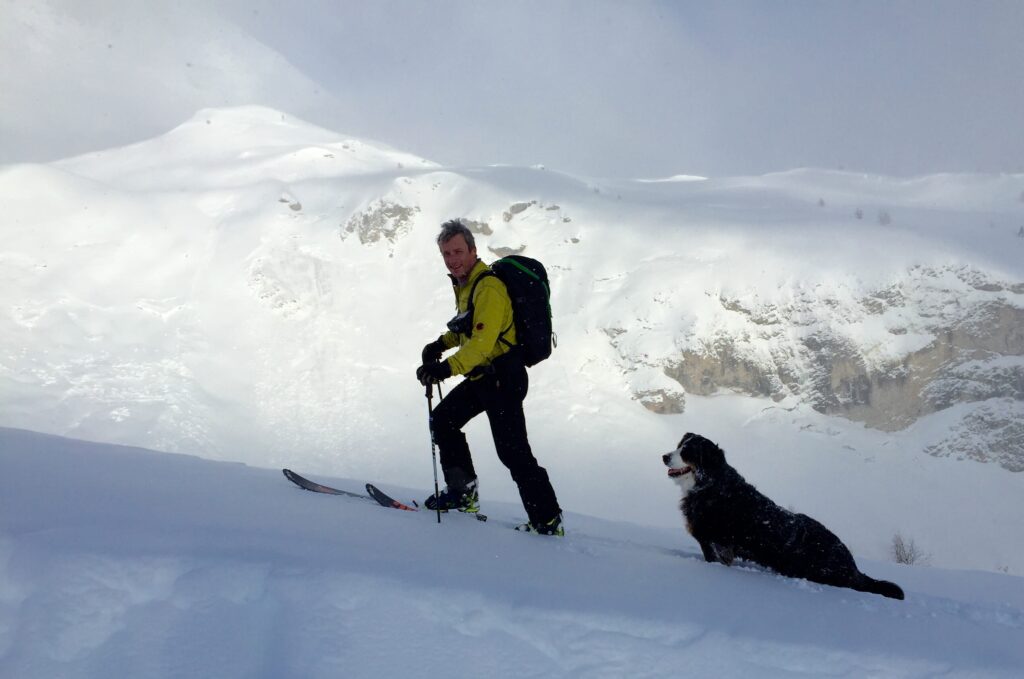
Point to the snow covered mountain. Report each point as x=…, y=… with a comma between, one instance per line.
x=249, y=287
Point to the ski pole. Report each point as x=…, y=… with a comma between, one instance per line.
x=433, y=445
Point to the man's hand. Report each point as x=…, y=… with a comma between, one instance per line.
x=432, y=352
x=432, y=373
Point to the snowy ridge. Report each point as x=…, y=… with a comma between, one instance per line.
x=237, y=147
x=126, y=562
x=230, y=290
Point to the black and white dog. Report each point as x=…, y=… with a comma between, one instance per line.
x=731, y=519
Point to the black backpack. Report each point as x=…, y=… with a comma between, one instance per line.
x=528, y=288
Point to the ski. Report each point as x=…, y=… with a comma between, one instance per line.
x=385, y=500
x=306, y=484
x=373, y=493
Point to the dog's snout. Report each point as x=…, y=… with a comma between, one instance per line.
x=667, y=459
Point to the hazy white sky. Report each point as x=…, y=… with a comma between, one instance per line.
x=594, y=87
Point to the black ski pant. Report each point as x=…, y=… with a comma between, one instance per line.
x=499, y=393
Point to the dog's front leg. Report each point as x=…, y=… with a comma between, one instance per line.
x=710, y=555
x=725, y=554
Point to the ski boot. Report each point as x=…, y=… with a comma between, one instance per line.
x=553, y=527
x=464, y=500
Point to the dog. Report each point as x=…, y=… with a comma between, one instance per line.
x=731, y=519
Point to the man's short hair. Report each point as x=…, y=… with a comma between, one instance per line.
x=455, y=227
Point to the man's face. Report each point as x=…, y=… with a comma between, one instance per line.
x=458, y=256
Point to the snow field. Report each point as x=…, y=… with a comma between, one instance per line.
x=143, y=564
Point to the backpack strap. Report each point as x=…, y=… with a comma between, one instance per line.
x=471, y=308
x=472, y=290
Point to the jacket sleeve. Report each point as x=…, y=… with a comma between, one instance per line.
x=492, y=311
x=449, y=339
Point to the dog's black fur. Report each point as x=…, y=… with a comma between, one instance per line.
x=731, y=519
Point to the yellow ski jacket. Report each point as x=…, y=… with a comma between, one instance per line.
x=492, y=321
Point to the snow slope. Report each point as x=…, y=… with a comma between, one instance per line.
x=125, y=562
x=249, y=287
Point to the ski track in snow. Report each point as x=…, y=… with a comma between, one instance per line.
x=124, y=562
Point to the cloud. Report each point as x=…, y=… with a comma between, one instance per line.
x=87, y=75
x=598, y=88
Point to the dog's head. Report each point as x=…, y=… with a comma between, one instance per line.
x=695, y=456
x=679, y=471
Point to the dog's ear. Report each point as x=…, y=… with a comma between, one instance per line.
x=712, y=457
x=701, y=451
x=689, y=448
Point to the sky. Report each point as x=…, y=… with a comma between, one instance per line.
x=604, y=89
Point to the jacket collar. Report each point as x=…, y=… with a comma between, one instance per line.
x=474, y=273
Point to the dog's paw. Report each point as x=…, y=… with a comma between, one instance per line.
x=726, y=555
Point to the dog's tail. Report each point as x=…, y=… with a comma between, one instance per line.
x=864, y=583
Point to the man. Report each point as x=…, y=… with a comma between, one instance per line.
x=496, y=383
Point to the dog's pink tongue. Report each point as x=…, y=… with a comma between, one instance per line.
x=675, y=472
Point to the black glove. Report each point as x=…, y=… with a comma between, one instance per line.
x=431, y=373
x=433, y=351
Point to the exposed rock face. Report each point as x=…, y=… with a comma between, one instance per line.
x=479, y=228
x=505, y=251
x=515, y=209
x=992, y=432
x=382, y=220
x=887, y=358
x=662, y=401
x=964, y=363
